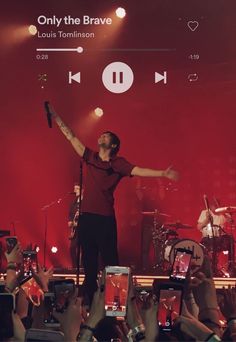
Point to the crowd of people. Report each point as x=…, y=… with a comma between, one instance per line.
x=200, y=318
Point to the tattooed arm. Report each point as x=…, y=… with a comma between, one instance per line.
x=75, y=142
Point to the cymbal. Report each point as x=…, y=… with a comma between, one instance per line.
x=154, y=213
x=178, y=225
x=225, y=210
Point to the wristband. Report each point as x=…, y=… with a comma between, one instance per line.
x=11, y=266
x=213, y=338
x=140, y=336
x=138, y=328
x=209, y=321
x=87, y=327
x=204, y=309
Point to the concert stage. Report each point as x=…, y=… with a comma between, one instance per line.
x=146, y=281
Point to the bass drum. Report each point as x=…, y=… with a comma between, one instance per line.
x=197, y=249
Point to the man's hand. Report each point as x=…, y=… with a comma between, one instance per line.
x=42, y=277
x=228, y=303
x=70, y=319
x=171, y=174
x=143, y=172
x=75, y=142
x=15, y=256
x=192, y=326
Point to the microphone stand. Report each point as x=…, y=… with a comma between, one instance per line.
x=77, y=233
x=45, y=210
x=232, y=245
x=214, y=253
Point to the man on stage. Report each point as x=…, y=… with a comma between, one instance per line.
x=97, y=223
x=73, y=218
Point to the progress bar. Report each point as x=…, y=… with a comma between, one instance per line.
x=78, y=49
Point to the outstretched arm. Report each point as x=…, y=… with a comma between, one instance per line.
x=143, y=172
x=75, y=142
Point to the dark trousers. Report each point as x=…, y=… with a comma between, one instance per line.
x=74, y=250
x=98, y=236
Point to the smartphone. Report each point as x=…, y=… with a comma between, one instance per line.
x=116, y=290
x=36, y=335
x=63, y=290
x=181, y=263
x=49, y=305
x=170, y=303
x=7, y=305
x=11, y=242
x=32, y=290
x=30, y=262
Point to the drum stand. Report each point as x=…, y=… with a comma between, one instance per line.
x=155, y=240
x=214, y=251
x=231, y=265
x=158, y=245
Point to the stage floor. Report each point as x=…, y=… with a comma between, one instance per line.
x=146, y=280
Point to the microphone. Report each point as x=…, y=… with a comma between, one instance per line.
x=49, y=115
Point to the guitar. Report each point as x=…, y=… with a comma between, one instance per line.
x=74, y=225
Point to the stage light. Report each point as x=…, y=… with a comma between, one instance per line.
x=32, y=30
x=37, y=249
x=225, y=252
x=120, y=12
x=98, y=112
x=54, y=249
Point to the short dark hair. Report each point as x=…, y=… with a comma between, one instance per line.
x=114, y=141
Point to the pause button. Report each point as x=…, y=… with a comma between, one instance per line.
x=117, y=77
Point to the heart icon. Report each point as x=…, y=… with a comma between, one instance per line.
x=193, y=25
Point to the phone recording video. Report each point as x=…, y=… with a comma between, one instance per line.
x=49, y=304
x=38, y=335
x=11, y=242
x=180, y=267
x=30, y=262
x=32, y=290
x=63, y=290
x=170, y=304
x=7, y=305
x=116, y=290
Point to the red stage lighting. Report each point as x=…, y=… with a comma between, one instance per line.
x=54, y=249
x=98, y=112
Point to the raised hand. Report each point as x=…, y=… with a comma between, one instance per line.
x=15, y=256
x=70, y=319
x=42, y=277
x=171, y=174
x=192, y=326
x=228, y=303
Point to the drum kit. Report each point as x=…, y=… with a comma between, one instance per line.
x=166, y=240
